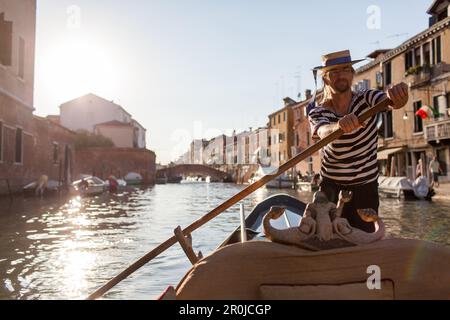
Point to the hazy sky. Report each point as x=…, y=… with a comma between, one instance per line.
x=186, y=68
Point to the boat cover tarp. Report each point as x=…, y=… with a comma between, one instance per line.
x=410, y=269
x=421, y=187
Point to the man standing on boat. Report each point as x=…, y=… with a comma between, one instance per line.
x=350, y=163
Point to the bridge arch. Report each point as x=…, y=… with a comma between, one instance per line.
x=193, y=170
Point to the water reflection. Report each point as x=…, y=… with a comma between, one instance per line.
x=64, y=248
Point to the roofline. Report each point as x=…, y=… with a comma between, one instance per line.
x=97, y=96
x=406, y=45
x=53, y=123
x=433, y=6
x=283, y=109
x=139, y=124
x=304, y=103
x=115, y=124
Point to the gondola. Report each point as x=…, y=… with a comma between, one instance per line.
x=262, y=270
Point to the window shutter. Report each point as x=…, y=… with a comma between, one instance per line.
x=5, y=41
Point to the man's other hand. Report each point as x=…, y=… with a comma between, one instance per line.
x=399, y=95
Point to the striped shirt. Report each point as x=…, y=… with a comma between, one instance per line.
x=352, y=159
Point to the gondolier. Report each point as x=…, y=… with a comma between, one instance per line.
x=350, y=163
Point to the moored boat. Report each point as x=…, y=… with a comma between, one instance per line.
x=404, y=188
x=133, y=178
x=259, y=269
x=162, y=180
x=284, y=181
x=88, y=186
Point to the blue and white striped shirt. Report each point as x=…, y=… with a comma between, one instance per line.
x=352, y=159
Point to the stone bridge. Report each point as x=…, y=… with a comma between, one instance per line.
x=193, y=170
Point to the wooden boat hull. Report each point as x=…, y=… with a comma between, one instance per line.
x=258, y=270
x=262, y=270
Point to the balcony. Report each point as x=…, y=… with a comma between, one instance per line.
x=422, y=75
x=418, y=76
x=438, y=131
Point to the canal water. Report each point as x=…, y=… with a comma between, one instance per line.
x=65, y=248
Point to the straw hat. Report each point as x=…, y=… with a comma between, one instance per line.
x=336, y=60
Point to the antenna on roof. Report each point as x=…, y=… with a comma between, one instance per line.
x=397, y=35
x=298, y=76
x=377, y=43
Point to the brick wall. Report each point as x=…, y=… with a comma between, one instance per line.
x=39, y=137
x=103, y=162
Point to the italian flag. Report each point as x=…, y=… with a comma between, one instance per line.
x=427, y=112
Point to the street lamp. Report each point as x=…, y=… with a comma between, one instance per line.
x=406, y=117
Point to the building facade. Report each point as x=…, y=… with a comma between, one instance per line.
x=122, y=134
x=30, y=146
x=281, y=126
x=85, y=112
x=303, y=137
x=423, y=62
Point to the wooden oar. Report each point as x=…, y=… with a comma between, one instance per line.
x=382, y=106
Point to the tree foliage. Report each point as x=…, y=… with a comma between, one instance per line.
x=85, y=139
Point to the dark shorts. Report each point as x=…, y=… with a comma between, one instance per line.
x=364, y=197
x=435, y=177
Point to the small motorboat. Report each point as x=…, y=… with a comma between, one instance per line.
x=162, y=180
x=404, y=188
x=88, y=186
x=175, y=179
x=113, y=184
x=284, y=181
x=258, y=269
x=133, y=178
x=309, y=184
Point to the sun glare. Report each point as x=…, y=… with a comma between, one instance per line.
x=77, y=66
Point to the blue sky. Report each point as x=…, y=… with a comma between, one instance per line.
x=191, y=68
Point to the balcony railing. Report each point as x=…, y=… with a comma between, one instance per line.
x=419, y=76
x=437, y=131
x=422, y=75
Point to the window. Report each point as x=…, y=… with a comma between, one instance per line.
x=21, y=58
x=388, y=74
x=379, y=80
x=19, y=145
x=436, y=107
x=279, y=118
x=388, y=131
x=5, y=41
x=438, y=50
x=1, y=141
x=418, y=122
x=284, y=116
x=55, y=153
x=417, y=56
x=408, y=60
x=448, y=100
x=426, y=54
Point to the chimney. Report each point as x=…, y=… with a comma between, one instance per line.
x=308, y=94
x=288, y=102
